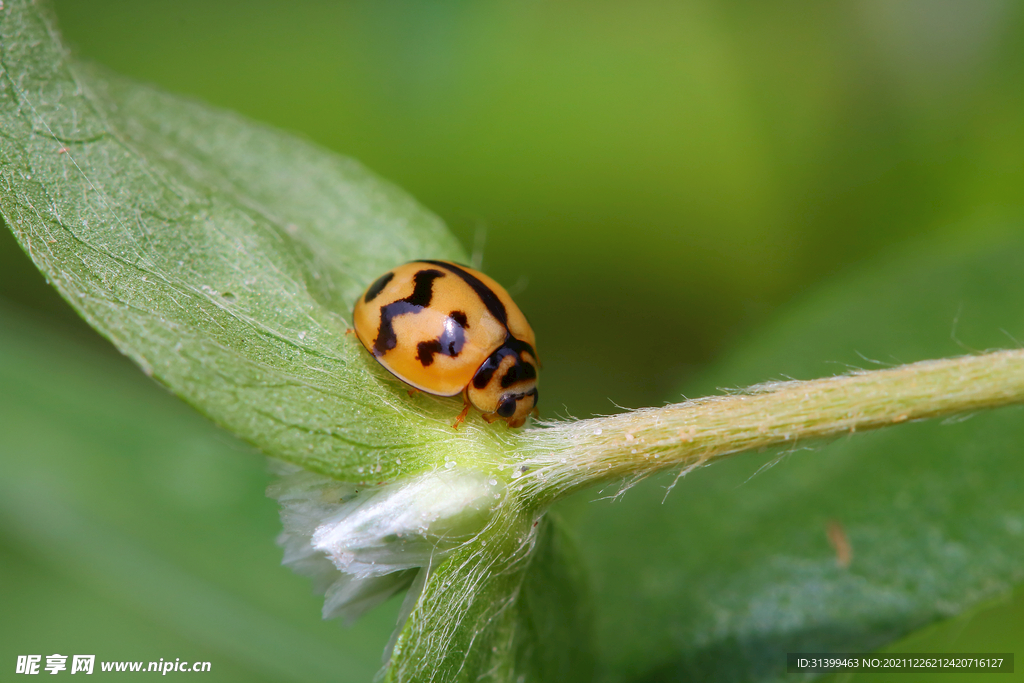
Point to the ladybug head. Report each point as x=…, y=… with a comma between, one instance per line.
x=505, y=386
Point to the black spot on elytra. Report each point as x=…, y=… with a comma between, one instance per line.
x=450, y=343
x=377, y=287
x=488, y=297
x=425, y=351
x=422, y=293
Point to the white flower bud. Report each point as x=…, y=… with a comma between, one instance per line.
x=363, y=544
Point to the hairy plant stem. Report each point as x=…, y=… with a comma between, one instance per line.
x=568, y=456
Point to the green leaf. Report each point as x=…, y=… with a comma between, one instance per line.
x=554, y=611
x=523, y=591
x=133, y=529
x=735, y=569
x=220, y=255
x=145, y=528
x=223, y=257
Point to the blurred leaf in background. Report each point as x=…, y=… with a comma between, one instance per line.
x=687, y=167
x=131, y=528
x=655, y=183
x=734, y=568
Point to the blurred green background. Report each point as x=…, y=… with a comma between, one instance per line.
x=652, y=182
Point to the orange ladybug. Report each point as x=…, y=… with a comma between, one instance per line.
x=447, y=329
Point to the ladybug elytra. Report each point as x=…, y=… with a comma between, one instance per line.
x=447, y=329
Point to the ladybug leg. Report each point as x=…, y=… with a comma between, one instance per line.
x=462, y=416
x=490, y=417
x=413, y=392
x=350, y=330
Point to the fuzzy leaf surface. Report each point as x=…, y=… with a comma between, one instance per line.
x=222, y=256
x=516, y=608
